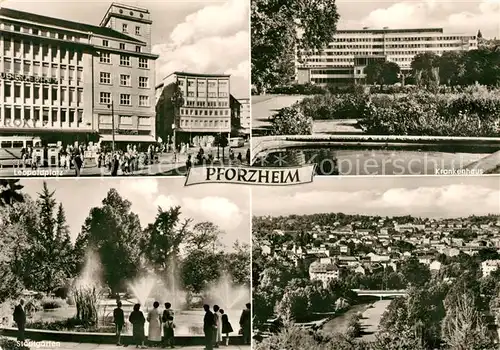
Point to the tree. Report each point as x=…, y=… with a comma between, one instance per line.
x=162, y=239
x=9, y=192
x=414, y=272
x=279, y=27
x=463, y=328
x=222, y=142
x=426, y=69
x=382, y=72
x=479, y=34
x=200, y=268
x=451, y=67
x=238, y=264
x=115, y=234
x=205, y=235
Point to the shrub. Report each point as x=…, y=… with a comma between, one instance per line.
x=49, y=303
x=290, y=121
x=324, y=107
x=299, y=89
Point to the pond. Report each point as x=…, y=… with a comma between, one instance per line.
x=361, y=160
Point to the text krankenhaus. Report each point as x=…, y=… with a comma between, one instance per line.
x=20, y=77
x=250, y=175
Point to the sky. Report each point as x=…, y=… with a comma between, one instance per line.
x=455, y=16
x=194, y=36
x=228, y=206
x=429, y=196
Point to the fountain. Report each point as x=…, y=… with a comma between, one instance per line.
x=227, y=295
x=142, y=288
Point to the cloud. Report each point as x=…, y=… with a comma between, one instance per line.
x=454, y=17
x=166, y=202
x=221, y=211
x=212, y=21
x=445, y=201
x=214, y=39
x=146, y=187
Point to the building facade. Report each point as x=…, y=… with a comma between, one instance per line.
x=206, y=109
x=245, y=116
x=63, y=80
x=324, y=270
x=344, y=59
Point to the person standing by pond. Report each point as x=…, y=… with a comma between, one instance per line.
x=245, y=324
x=20, y=319
x=154, y=319
x=226, y=326
x=168, y=325
x=208, y=327
x=119, y=319
x=218, y=326
x=137, y=319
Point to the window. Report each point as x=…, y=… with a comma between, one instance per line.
x=105, y=57
x=137, y=30
x=125, y=99
x=105, y=78
x=124, y=60
x=124, y=28
x=17, y=28
x=137, y=49
x=34, y=31
x=143, y=82
x=105, y=98
x=143, y=62
x=144, y=101
x=125, y=80
x=105, y=43
x=122, y=46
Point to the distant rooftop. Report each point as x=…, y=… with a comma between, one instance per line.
x=389, y=30
x=188, y=74
x=52, y=21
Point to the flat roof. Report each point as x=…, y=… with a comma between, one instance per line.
x=389, y=30
x=82, y=27
x=204, y=75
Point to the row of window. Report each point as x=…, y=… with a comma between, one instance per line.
x=188, y=111
x=207, y=103
x=125, y=29
x=201, y=83
x=197, y=123
x=407, y=38
x=209, y=94
x=125, y=99
x=125, y=80
x=123, y=46
x=46, y=53
x=105, y=57
x=38, y=69
x=390, y=46
x=50, y=95
x=125, y=120
x=62, y=115
x=41, y=32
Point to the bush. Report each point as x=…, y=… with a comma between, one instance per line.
x=324, y=107
x=299, y=89
x=290, y=121
x=49, y=303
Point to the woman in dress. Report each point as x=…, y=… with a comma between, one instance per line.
x=137, y=320
x=226, y=326
x=154, y=331
x=218, y=325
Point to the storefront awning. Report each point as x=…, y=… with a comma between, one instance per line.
x=128, y=138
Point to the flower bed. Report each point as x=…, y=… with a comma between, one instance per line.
x=474, y=112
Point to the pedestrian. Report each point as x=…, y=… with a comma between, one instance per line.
x=78, y=163
x=218, y=326
x=115, y=164
x=245, y=324
x=208, y=327
x=189, y=163
x=240, y=158
x=20, y=319
x=226, y=326
x=137, y=319
x=119, y=319
x=247, y=157
x=169, y=331
x=154, y=319
x=167, y=314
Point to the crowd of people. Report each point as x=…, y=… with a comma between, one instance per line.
x=216, y=325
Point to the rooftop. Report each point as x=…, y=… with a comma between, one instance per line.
x=202, y=75
x=52, y=21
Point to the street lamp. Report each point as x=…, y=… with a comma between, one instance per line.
x=112, y=124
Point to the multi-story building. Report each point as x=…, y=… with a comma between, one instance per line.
x=206, y=110
x=67, y=81
x=245, y=116
x=324, y=270
x=344, y=59
x=489, y=266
